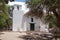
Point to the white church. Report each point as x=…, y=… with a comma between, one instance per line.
x=25, y=23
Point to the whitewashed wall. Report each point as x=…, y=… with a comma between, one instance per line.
x=22, y=23
x=18, y=16
x=17, y=20
x=39, y=25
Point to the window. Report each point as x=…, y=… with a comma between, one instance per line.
x=31, y=19
x=18, y=7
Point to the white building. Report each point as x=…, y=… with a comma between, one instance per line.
x=25, y=23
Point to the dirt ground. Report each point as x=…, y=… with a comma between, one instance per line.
x=11, y=35
x=8, y=35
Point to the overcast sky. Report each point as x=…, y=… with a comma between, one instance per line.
x=20, y=0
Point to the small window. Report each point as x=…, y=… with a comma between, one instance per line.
x=18, y=7
x=31, y=19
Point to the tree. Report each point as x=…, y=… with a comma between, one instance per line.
x=3, y=14
x=52, y=6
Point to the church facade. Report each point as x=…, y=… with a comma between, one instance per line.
x=21, y=22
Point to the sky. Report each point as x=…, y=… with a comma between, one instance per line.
x=17, y=2
x=20, y=0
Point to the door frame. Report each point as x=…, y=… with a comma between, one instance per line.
x=32, y=28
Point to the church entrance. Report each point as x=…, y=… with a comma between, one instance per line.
x=32, y=26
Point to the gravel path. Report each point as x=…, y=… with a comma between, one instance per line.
x=11, y=36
